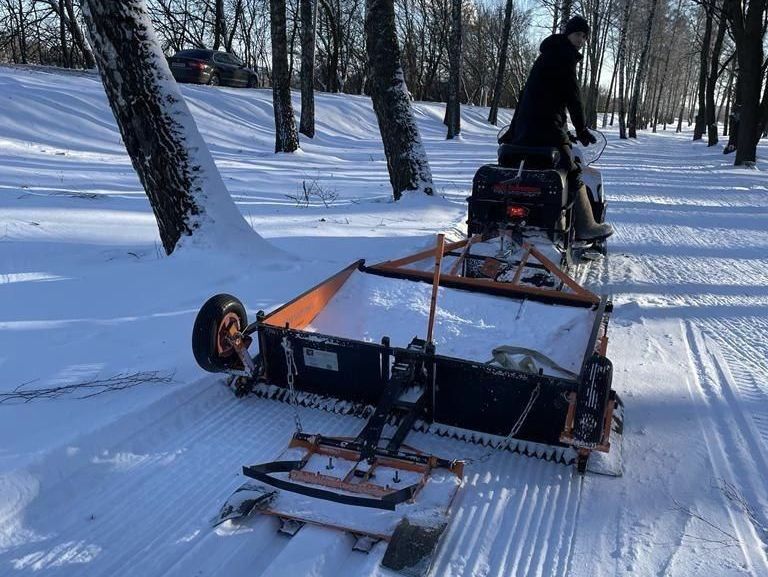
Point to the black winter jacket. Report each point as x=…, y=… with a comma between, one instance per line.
x=551, y=87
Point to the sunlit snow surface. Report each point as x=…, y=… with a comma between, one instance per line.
x=468, y=325
x=126, y=482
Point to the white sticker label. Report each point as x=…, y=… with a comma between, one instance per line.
x=321, y=359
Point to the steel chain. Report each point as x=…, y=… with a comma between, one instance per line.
x=515, y=428
x=518, y=425
x=291, y=370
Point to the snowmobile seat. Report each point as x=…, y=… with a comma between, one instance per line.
x=535, y=157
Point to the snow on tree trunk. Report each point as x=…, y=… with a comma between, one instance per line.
x=406, y=158
x=286, y=137
x=453, y=113
x=307, y=10
x=175, y=167
x=493, y=114
x=77, y=34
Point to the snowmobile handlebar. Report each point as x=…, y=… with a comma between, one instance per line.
x=572, y=137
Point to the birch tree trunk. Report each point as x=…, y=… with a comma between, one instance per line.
x=286, y=137
x=173, y=162
x=406, y=158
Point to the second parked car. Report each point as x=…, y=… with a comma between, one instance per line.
x=211, y=67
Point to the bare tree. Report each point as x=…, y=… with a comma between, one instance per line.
x=65, y=10
x=286, y=137
x=747, y=28
x=641, y=70
x=600, y=14
x=706, y=41
x=219, y=24
x=453, y=108
x=174, y=165
x=502, y=63
x=307, y=10
x=623, y=66
x=565, y=13
x=714, y=74
x=406, y=158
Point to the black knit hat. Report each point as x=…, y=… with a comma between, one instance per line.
x=577, y=24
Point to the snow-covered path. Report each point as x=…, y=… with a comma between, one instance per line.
x=125, y=483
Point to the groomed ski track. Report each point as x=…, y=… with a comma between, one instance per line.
x=182, y=460
x=688, y=269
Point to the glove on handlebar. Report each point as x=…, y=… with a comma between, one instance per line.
x=586, y=137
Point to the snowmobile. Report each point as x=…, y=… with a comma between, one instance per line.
x=524, y=199
x=534, y=398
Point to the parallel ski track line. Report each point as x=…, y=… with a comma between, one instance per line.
x=181, y=467
x=217, y=470
x=735, y=454
x=516, y=516
x=142, y=485
x=218, y=445
x=728, y=275
x=743, y=343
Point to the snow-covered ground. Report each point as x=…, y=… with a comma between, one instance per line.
x=125, y=482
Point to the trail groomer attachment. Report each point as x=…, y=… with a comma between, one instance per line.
x=557, y=405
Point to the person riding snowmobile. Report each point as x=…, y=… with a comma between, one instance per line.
x=540, y=118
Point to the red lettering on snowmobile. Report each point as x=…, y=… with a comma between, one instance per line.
x=506, y=187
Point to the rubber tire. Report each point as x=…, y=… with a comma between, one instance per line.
x=205, y=333
x=214, y=80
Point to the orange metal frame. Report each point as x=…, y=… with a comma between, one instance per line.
x=579, y=294
x=300, y=312
x=364, y=487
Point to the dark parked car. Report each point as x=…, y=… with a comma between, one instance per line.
x=211, y=67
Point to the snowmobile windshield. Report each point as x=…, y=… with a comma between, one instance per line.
x=592, y=153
